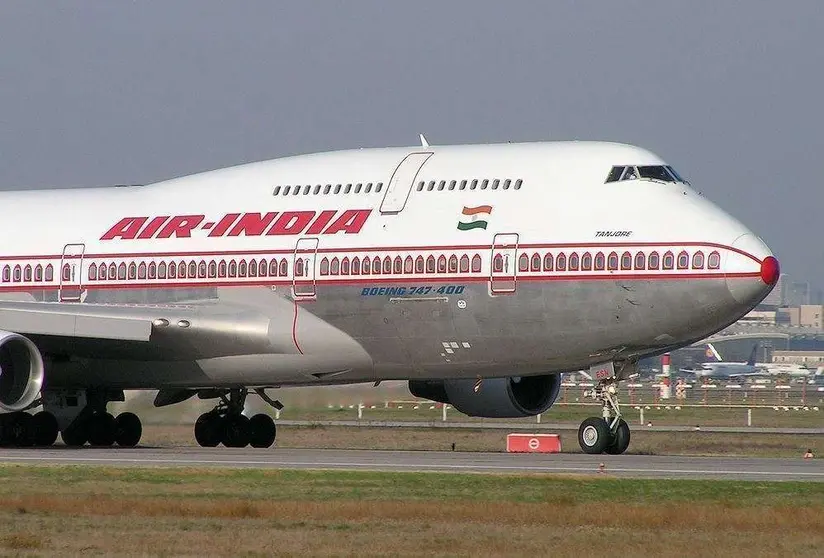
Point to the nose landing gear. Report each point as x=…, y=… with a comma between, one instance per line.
x=609, y=433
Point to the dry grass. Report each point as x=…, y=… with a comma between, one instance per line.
x=70, y=511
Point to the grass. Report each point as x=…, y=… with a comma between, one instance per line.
x=110, y=511
x=441, y=439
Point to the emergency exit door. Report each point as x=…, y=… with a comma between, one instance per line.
x=71, y=273
x=502, y=279
x=402, y=181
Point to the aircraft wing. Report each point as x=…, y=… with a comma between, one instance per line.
x=149, y=332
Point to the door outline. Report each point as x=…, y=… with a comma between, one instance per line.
x=71, y=273
x=503, y=274
x=304, y=260
x=403, y=179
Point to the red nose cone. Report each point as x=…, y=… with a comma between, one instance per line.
x=770, y=270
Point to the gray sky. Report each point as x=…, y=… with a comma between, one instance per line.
x=95, y=93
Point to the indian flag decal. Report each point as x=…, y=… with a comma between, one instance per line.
x=474, y=217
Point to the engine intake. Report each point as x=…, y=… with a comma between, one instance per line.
x=513, y=397
x=21, y=371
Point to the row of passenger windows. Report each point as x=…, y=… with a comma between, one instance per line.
x=28, y=273
x=612, y=261
x=475, y=184
x=190, y=270
x=327, y=189
x=376, y=265
x=398, y=265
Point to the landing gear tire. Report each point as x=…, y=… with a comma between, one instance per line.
x=128, y=430
x=237, y=432
x=76, y=435
x=102, y=430
x=262, y=431
x=620, y=439
x=44, y=427
x=209, y=430
x=594, y=436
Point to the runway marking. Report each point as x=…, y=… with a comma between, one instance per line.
x=379, y=466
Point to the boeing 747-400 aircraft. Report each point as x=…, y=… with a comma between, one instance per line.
x=479, y=273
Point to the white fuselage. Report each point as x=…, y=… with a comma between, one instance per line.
x=565, y=269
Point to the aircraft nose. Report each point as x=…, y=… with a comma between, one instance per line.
x=751, y=271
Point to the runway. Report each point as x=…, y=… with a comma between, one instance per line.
x=625, y=466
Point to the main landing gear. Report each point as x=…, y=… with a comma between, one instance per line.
x=609, y=433
x=226, y=424
x=79, y=416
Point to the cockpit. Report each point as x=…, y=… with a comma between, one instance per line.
x=660, y=173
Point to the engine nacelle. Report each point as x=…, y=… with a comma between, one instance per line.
x=517, y=396
x=21, y=371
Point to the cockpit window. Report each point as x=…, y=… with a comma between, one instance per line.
x=655, y=172
x=660, y=173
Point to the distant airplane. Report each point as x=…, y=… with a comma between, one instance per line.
x=719, y=369
x=477, y=273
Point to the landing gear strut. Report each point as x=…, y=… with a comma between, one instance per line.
x=610, y=432
x=226, y=424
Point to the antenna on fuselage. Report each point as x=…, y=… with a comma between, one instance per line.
x=424, y=143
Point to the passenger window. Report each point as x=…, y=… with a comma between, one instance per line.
x=356, y=265
x=586, y=261
x=327, y=189
x=408, y=265
x=441, y=264
x=367, y=266
x=334, y=267
x=683, y=260
x=495, y=184
x=518, y=184
x=397, y=267
x=347, y=189
x=324, y=266
x=668, y=261
x=473, y=184
x=387, y=265
x=560, y=262
x=714, y=260
x=698, y=260
x=419, y=264
x=276, y=191
x=464, y=264
x=344, y=266
x=548, y=262
x=420, y=186
x=507, y=182
x=653, y=260
x=626, y=260
x=476, y=263
x=612, y=261
x=536, y=262
x=463, y=185
x=452, y=185
x=599, y=261
x=441, y=185
x=573, y=261
x=640, y=260
x=523, y=262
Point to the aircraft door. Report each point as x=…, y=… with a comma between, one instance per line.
x=503, y=270
x=303, y=268
x=71, y=273
x=400, y=185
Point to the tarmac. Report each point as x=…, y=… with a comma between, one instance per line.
x=623, y=466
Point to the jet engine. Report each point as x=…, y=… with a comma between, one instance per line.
x=516, y=396
x=21, y=371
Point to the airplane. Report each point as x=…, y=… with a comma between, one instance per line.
x=477, y=273
x=719, y=369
